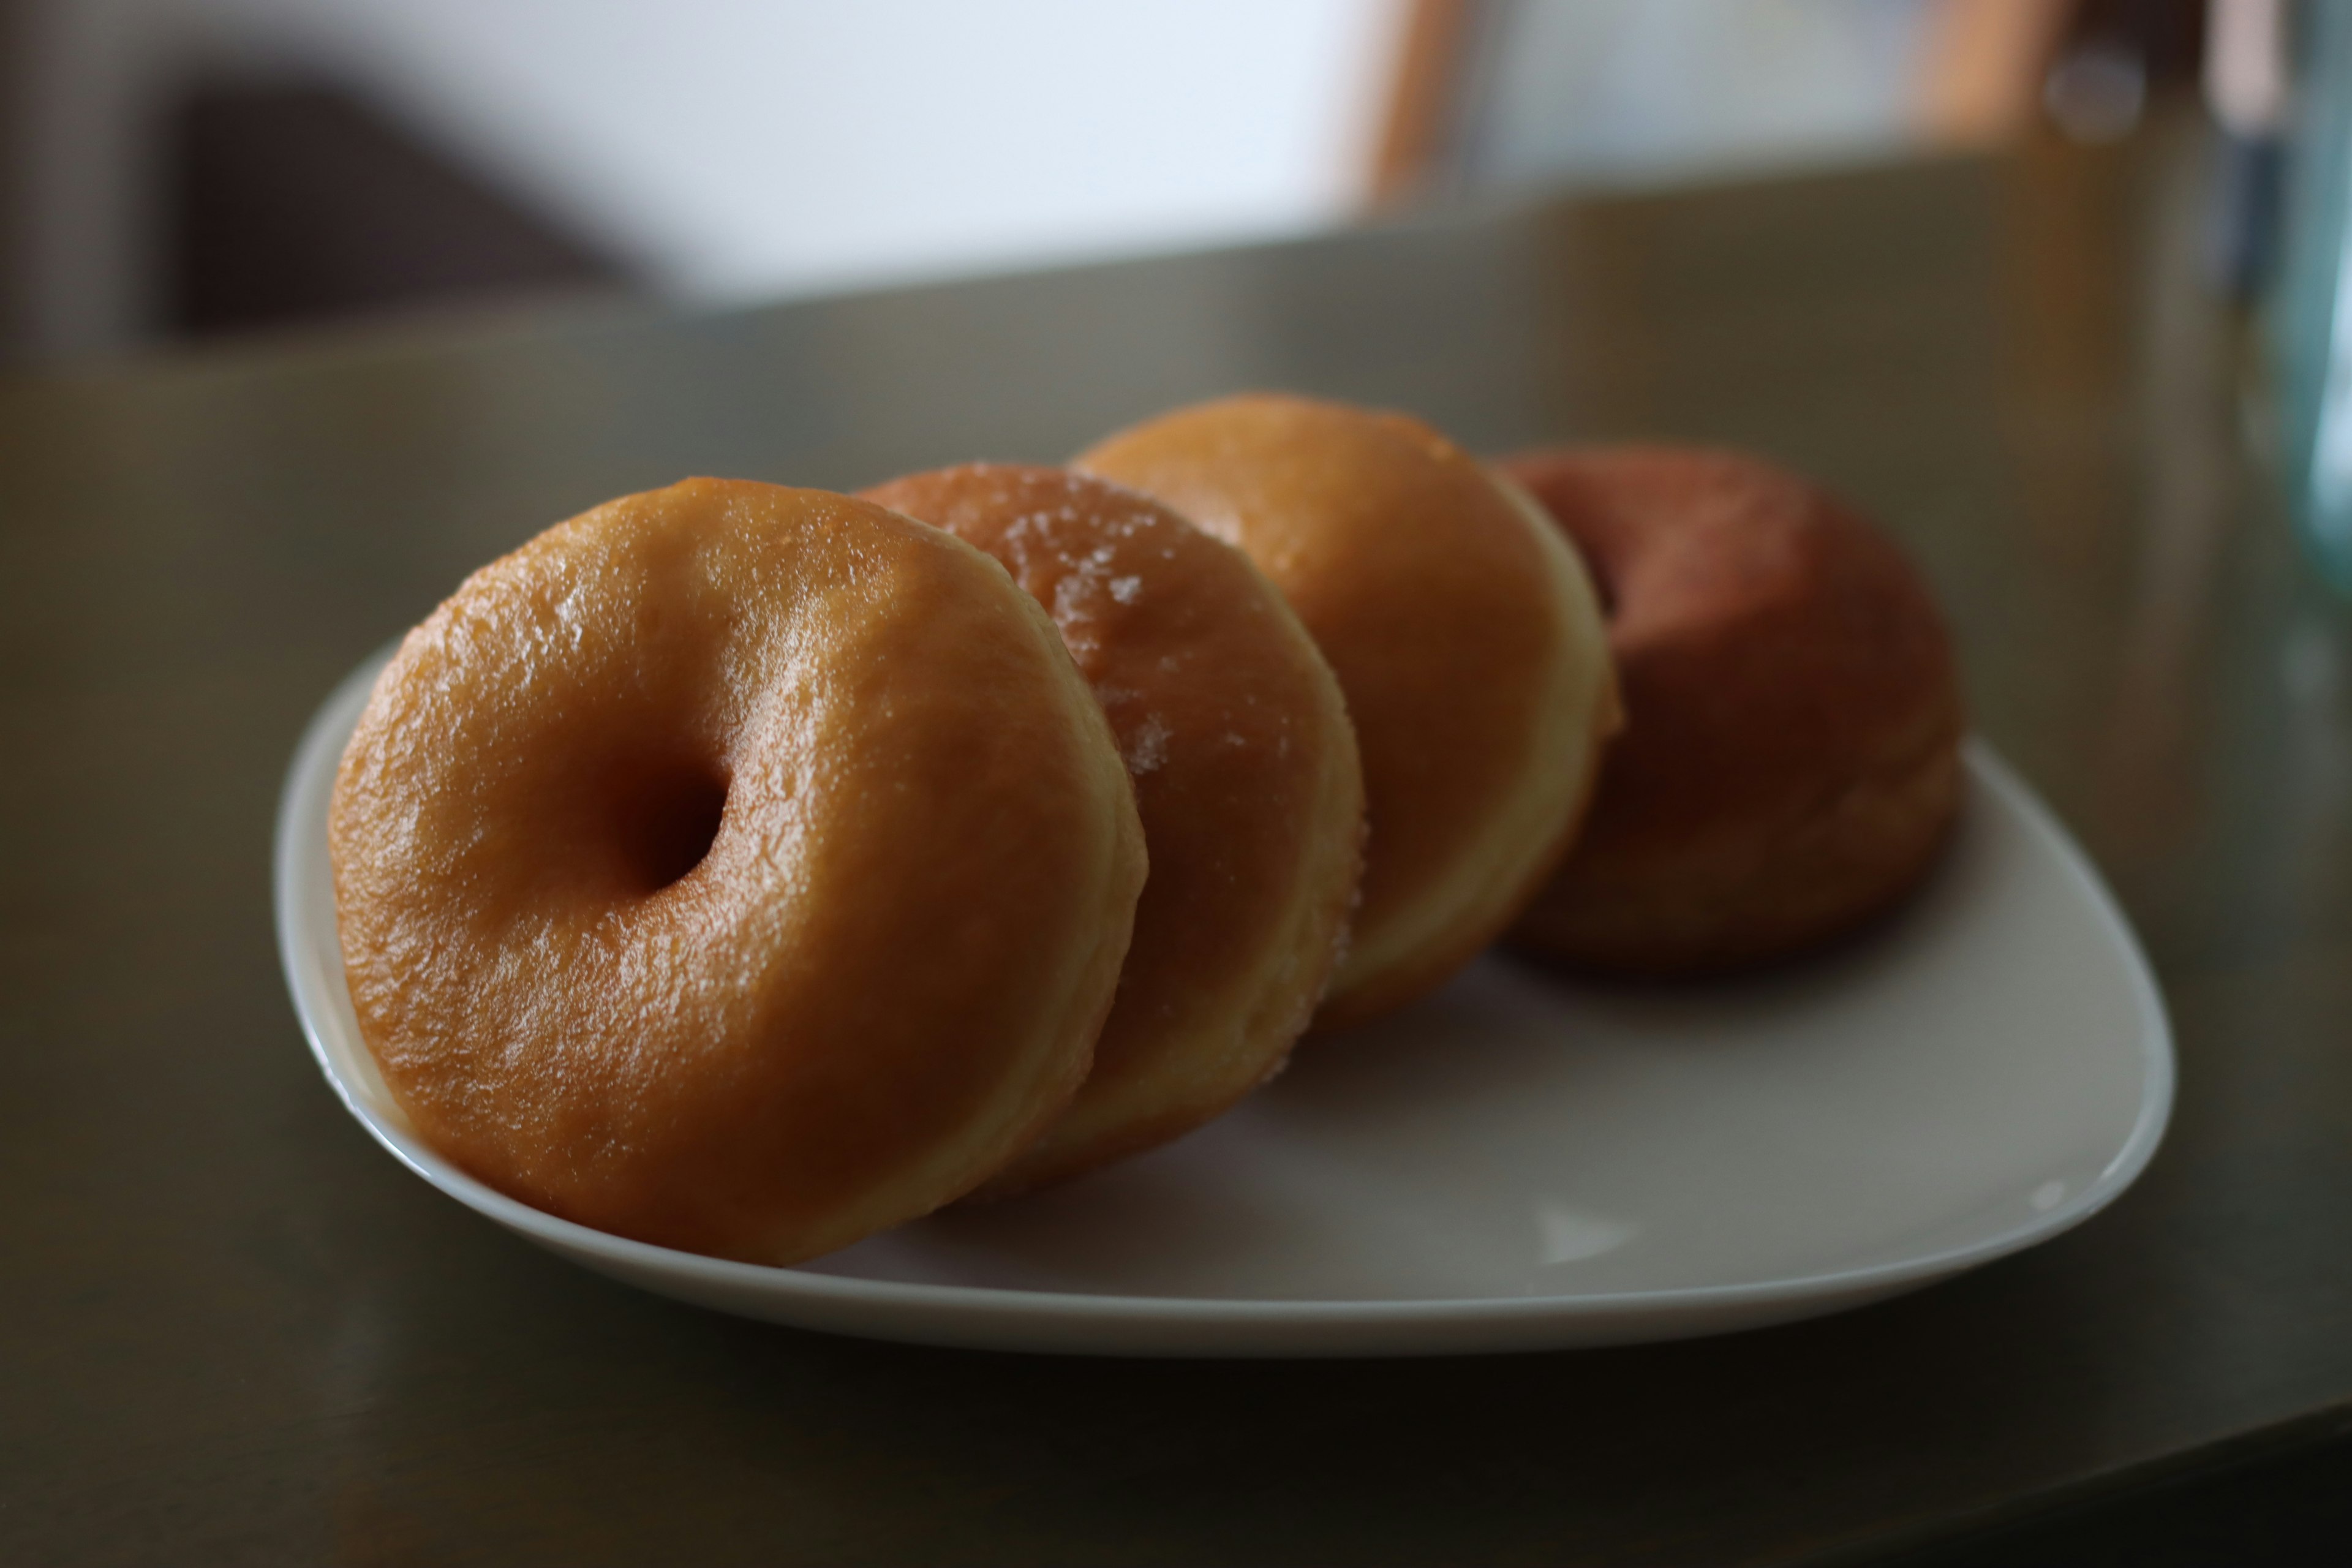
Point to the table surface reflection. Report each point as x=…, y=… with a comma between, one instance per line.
x=234, y=1330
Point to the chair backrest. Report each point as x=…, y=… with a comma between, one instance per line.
x=1492, y=93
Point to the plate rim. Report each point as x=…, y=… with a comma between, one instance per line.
x=310, y=774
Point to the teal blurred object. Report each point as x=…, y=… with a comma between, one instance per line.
x=2311, y=319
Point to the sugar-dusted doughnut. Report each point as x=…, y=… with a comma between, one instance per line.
x=1245, y=777
x=1464, y=633
x=1791, y=761
x=734, y=867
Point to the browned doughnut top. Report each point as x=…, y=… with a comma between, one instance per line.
x=1245, y=779
x=1464, y=635
x=1790, y=762
x=734, y=867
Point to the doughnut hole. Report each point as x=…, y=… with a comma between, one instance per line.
x=610, y=820
x=663, y=816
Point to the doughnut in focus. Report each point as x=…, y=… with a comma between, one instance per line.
x=1790, y=763
x=1245, y=778
x=1463, y=630
x=738, y=869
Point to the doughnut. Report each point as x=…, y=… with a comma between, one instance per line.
x=1464, y=635
x=1245, y=778
x=1790, y=763
x=737, y=869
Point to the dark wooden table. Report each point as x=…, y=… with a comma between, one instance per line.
x=232, y=1331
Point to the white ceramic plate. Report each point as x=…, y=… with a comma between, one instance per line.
x=1518, y=1162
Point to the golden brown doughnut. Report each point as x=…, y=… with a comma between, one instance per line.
x=734, y=867
x=1463, y=631
x=1791, y=761
x=1245, y=778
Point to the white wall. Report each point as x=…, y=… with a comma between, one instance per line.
x=736, y=149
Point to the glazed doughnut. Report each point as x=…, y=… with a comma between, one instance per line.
x=1245, y=778
x=1464, y=633
x=738, y=869
x=1790, y=763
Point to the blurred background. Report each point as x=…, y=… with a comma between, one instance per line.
x=172, y=169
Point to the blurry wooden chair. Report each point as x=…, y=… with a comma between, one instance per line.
x=1490, y=92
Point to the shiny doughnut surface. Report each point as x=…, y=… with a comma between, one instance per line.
x=1246, y=776
x=1464, y=633
x=739, y=869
